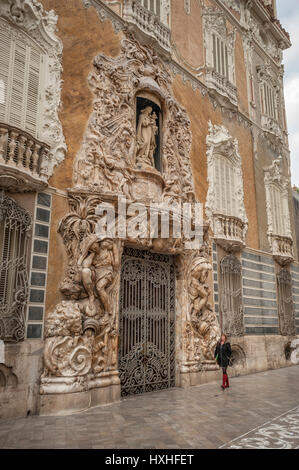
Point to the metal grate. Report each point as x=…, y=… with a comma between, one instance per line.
x=147, y=322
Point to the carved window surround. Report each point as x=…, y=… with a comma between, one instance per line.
x=225, y=200
x=148, y=22
x=220, y=48
x=269, y=87
x=28, y=17
x=279, y=227
x=23, y=160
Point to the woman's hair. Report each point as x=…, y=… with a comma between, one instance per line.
x=223, y=334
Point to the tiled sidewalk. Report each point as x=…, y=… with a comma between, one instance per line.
x=259, y=410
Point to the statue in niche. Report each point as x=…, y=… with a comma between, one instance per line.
x=146, y=138
x=98, y=262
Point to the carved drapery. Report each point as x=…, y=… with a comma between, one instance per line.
x=286, y=312
x=15, y=224
x=30, y=17
x=231, y=306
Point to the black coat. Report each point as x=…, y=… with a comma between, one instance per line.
x=224, y=353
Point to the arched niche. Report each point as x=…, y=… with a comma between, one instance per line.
x=146, y=99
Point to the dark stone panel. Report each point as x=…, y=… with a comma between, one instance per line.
x=39, y=262
x=34, y=331
x=38, y=279
x=44, y=199
x=215, y=287
x=295, y=290
x=257, y=267
x=43, y=215
x=215, y=267
x=259, y=302
x=255, y=330
x=214, y=246
x=216, y=308
x=216, y=297
x=215, y=277
x=40, y=246
x=260, y=321
x=37, y=295
x=259, y=293
x=259, y=311
x=41, y=231
x=35, y=313
x=257, y=275
x=214, y=257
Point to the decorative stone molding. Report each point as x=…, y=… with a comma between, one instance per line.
x=233, y=4
x=114, y=160
x=30, y=17
x=280, y=243
x=229, y=228
x=187, y=6
x=107, y=158
x=286, y=312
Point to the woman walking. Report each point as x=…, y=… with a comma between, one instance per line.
x=222, y=354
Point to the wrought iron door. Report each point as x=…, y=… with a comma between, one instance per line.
x=147, y=322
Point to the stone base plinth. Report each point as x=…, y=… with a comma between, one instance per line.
x=101, y=391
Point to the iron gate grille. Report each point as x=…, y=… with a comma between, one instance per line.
x=147, y=322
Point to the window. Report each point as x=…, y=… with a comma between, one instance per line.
x=15, y=224
x=231, y=296
x=268, y=101
x=220, y=56
x=225, y=181
x=21, y=67
x=276, y=186
x=152, y=5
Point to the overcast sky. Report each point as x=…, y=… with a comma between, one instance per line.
x=288, y=14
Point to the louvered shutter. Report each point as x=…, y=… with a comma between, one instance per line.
x=5, y=49
x=17, y=100
x=217, y=183
x=32, y=101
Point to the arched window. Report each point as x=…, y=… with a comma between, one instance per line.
x=21, y=70
x=15, y=223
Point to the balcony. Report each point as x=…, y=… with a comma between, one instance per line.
x=22, y=159
x=229, y=232
x=282, y=249
x=271, y=125
x=222, y=85
x=147, y=22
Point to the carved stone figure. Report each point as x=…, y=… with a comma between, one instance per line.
x=98, y=262
x=146, y=140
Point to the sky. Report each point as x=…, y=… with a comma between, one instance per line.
x=288, y=14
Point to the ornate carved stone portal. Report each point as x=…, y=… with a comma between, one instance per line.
x=116, y=159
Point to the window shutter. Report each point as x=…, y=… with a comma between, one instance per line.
x=217, y=183
x=5, y=49
x=16, y=114
x=33, y=92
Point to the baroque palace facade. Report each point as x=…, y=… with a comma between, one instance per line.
x=165, y=101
